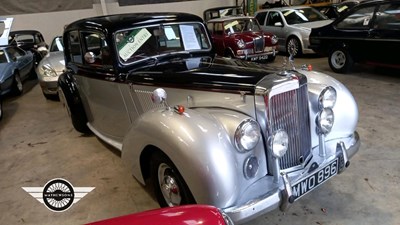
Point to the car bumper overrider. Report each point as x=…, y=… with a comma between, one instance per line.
x=281, y=193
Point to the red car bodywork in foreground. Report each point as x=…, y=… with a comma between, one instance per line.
x=180, y=215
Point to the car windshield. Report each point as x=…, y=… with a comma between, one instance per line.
x=3, y=58
x=148, y=42
x=302, y=15
x=241, y=25
x=57, y=45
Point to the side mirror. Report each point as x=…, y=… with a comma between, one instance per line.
x=90, y=57
x=159, y=96
x=278, y=24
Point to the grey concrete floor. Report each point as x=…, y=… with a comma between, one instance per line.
x=38, y=143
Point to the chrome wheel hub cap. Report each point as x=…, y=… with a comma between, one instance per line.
x=293, y=47
x=168, y=185
x=338, y=59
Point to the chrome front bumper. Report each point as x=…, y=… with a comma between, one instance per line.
x=280, y=195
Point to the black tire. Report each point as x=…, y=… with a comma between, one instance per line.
x=76, y=113
x=51, y=97
x=293, y=47
x=17, y=87
x=340, y=60
x=164, y=175
x=229, y=54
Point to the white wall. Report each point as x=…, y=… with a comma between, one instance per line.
x=52, y=24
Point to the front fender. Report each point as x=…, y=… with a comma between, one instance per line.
x=199, y=146
x=345, y=109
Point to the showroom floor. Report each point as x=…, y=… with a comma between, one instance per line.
x=38, y=143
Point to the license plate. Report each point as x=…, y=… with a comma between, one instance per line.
x=261, y=57
x=314, y=180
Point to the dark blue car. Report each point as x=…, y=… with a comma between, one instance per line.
x=16, y=65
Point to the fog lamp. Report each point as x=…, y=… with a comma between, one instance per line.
x=327, y=98
x=325, y=119
x=247, y=135
x=279, y=143
x=250, y=167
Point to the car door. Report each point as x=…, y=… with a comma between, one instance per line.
x=275, y=24
x=21, y=60
x=384, y=34
x=98, y=86
x=354, y=32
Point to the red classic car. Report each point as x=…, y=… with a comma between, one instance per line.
x=179, y=215
x=242, y=37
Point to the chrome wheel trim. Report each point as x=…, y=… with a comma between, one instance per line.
x=293, y=46
x=338, y=59
x=168, y=185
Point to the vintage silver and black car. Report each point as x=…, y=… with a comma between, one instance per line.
x=204, y=129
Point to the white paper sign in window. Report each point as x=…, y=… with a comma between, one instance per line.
x=189, y=37
x=169, y=32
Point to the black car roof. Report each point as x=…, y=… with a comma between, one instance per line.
x=111, y=23
x=12, y=33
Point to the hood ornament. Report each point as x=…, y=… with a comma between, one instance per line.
x=289, y=61
x=287, y=65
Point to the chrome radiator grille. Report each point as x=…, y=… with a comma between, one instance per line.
x=289, y=111
x=258, y=44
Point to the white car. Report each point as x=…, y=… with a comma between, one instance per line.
x=292, y=26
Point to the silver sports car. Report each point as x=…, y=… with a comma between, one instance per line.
x=292, y=26
x=50, y=67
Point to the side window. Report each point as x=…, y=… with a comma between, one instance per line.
x=96, y=43
x=19, y=52
x=218, y=29
x=37, y=38
x=359, y=19
x=388, y=17
x=75, y=54
x=273, y=17
x=210, y=27
x=260, y=17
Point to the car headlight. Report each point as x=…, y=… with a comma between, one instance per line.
x=274, y=39
x=247, y=135
x=325, y=119
x=47, y=71
x=240, y=43
x=327, y=98
x=279, y=143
